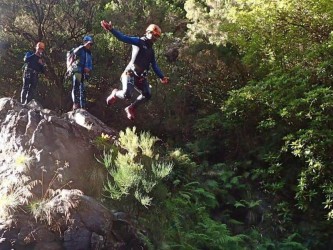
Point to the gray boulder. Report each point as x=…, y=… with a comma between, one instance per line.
x=50, y=182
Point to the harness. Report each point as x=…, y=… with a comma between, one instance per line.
x=133, y=72
x=30, y=70
x=138, y=79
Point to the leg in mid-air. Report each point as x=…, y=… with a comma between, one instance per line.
x=142, y=84
x=127, y=81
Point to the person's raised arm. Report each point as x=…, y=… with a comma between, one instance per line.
x=107, y=26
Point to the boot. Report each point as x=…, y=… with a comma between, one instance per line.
x=130, y=112
x=112, y=98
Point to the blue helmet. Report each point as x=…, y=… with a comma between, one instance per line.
x=88, y=39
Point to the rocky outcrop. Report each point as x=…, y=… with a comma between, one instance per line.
x=50, y=141
x=48, y=162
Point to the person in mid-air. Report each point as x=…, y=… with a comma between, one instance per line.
x=135, y=74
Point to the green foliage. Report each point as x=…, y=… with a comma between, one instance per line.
x=290, y=243
x=61, y=25
x=277, y=128
x=43, y=207
x=186, y=168
x=102, y=142
x=207, y=20
x=252, y=86
x=15, y=188
x=136, y=169
x=187, y=224
x=287, y=137
x=186, y=213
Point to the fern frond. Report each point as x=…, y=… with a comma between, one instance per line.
x=145, y=200
x=129, y=141
x=161, y=169
x=147, y=142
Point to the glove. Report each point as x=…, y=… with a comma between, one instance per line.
x=164, y=80
x=106, y=25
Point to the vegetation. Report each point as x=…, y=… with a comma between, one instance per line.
x=246, y=122
x=136, y=171
x=18, y=191
x=15, y=191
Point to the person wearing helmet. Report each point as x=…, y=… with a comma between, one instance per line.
x=135, y=74
x=82, y=72
x=33, y=66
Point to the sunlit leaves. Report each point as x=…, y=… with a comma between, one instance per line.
x=135, y=170
x=206, y=17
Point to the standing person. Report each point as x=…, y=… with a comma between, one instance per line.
x=135, y=74
x=81, y=72
x=33, y=66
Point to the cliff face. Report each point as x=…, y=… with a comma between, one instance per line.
x=50, y=179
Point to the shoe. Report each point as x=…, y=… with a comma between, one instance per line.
x=112, y=98
x=76, y=106
x=130, y=112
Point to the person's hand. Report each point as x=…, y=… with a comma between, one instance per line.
x=164, y=80
x=106, y=25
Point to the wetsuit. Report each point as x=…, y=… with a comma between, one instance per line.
x=135, y=74
x=34, y=65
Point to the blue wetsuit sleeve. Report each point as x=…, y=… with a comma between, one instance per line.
x=124, y=38
x=156, y=69
x=77, y=50
x=28, y=56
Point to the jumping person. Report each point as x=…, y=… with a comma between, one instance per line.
x=33, y=66
x=82, y=72
x=135, y=74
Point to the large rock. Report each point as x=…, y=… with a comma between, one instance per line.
x=50, y=142
x=49, y=162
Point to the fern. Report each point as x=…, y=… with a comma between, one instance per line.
x=143, y=199
x=161, y=170
x=190, y=226
x=129, y=141
x=134, y=171
x=146, y=143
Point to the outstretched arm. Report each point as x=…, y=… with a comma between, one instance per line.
x=120, y=36
x=158, y=72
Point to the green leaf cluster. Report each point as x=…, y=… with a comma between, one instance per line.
x=135, y=169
